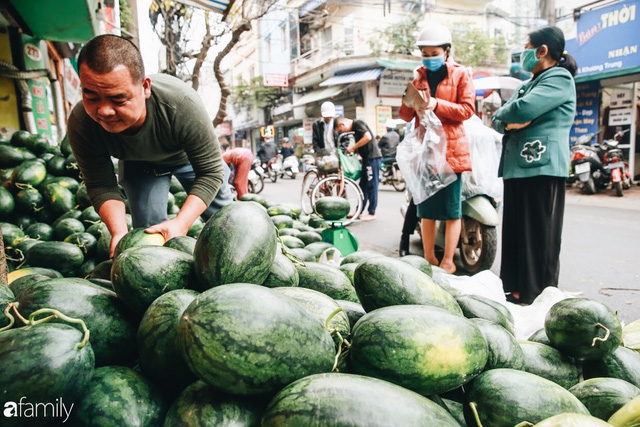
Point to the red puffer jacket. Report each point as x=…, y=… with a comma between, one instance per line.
x=456, y=103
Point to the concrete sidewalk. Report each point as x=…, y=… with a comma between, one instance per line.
x=605, y=198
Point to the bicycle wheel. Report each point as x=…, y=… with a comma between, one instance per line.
x=258, y=184
x=347, y=189
x=308, y=183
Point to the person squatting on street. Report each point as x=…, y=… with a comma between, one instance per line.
x=451, y=97
x=534, y=165
x=371, y=161
x=241, y=160
x=156, y=126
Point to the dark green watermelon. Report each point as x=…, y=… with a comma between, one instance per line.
x=43, y=364
x=332, y=208
x=507, y=397
x=303, y=255
x=418, y=262
x=113, y=332
x=292, y=242
x=67, y=227
x=504, y=350
x=352, y=400
x=250, y=340
x=540, y=336
x=384, y=281
x=475, y=306
x=6, y=297
x=185, y=244
x=40, y=231
x=143, y=273
x=119, y=396
x=623, y=363
x=158, y=349
x=237, y=245
x=353, y=310
x=433, y=350
x=201, y=405
x=29, y=201
x=7, y=204
x=322, y=307
x=549, y=363
x=604, y=396
x=307, y=237
x=102, y=270
x=87, y=243
x=283, y=272
x=58, y=199
x=349, y=270
x=326, y=279
x=359, y=256
x=583, y=328
x=62, y=256
x=137, y=237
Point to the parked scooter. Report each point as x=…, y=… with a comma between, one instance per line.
x=255, y=178
x=390, y=174
x=272, y=168
x=479, y=235
x=597, y=165
x=289, y=167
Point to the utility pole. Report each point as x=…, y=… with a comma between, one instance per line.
x=547, y=11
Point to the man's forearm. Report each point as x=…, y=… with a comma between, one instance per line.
x=113, y=214
x=191, y=209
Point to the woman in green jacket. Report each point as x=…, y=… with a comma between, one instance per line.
x=535, y=163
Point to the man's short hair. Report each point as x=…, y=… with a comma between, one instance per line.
x=340, y=120
x=106, y=52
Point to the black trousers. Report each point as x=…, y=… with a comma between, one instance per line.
x=410, y=219
x=531, y=234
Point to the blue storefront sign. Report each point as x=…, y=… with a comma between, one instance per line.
x=587, y=108
x=607, y=40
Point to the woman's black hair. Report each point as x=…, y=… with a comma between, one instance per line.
x=553, y=38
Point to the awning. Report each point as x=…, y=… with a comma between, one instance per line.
x=357, y=76
x=219, y=6
x=317, y=95
x=62, y=21
x=398, y=64
x=607, y=74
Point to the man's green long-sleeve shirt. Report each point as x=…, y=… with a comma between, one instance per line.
x=177, y=130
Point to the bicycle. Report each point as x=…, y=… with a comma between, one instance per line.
x=316, y=185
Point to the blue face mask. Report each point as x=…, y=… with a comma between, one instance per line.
x=528, y=59
x=433, y=63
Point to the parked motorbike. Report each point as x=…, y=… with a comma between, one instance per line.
x=289, y=167
x=596, y=166
x=390, y=174
x=479, y=235
x=255, y=178
x=272, y=168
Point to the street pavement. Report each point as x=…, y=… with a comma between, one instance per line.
x=600, y=241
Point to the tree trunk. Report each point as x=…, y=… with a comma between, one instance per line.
x=3, y=263
x=206, y=45
x=224, y=90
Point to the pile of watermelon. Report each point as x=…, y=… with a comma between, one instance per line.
x=240, y=323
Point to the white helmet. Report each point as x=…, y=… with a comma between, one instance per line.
x=390, y=124
x=327, y=109
x=434, y=35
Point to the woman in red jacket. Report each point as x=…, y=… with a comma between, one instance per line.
x=448, y=88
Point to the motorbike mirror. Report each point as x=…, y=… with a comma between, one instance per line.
x=585, y=139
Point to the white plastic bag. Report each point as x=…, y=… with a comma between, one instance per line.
x=422, y=159
x=485, y=146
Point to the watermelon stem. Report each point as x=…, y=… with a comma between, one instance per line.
x=294, y=259
x=22, y=185
x=606, y=336
x=56, y=314
x=524, y=424
x=474, y=410
x=12, y=320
